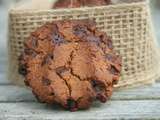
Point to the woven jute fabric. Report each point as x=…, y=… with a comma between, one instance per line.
x=127, y=24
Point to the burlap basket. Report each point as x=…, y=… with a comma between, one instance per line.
x=128, y=24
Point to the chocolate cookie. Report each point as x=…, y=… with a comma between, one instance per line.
x=79, y=3
x=70, y=63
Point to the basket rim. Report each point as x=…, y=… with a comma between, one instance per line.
x=113, y=6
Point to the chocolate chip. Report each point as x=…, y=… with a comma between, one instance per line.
x=46, y=81
x=57, y=38
x=94, y=83
x=80, y=31
x=109, y=57
x=93, y=55
x=93, y=39
x=22, y=70
x=109, y=44
x=114, y=70
x=61, y=70
x=52, y=94
x=72, y=105
x=51, y=56
x=101, y=98
x=97, y=85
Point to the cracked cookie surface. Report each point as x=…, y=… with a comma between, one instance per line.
x=70, y=63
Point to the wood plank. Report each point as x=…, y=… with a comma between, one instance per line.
x=141, y=93
x=3, y=71
x=10, y=93
x=3, y=59
x=3, y=31
x=3, y=79
x=143, y=109
x=3, y=65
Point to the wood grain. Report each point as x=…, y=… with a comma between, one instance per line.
x=146, y=109
x=3, y=65
x=3, y=71
x=3, y=79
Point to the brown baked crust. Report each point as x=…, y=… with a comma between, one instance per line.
x=80, y=3
x=70, y=63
